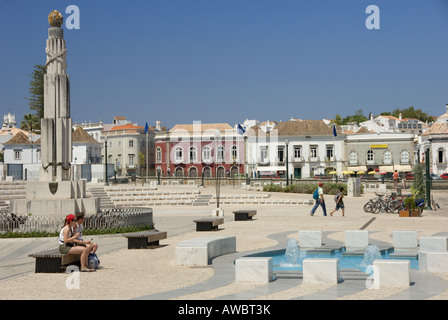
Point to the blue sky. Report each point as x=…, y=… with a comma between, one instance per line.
x=179, y=61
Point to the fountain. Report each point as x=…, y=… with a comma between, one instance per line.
x=371, y=253
x=292, y=252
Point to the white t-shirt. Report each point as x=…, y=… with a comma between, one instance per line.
x=79, y=228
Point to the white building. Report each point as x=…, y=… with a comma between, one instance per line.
x=301, y=148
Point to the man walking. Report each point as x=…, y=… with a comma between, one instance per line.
x=319, y=201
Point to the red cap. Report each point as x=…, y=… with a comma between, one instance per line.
x=70, y=218
x=320, y=183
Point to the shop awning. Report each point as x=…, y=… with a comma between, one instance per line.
x=403, y=168
x=387, y=168
x=358, y=168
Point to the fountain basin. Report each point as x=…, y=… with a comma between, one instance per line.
x=347, y=259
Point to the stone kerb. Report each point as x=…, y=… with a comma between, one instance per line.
x=405, y=240
x=391, y=273
x=254, y=269
x=321, y=271
x=356, y=239
x=310, y=239
x=200, y=251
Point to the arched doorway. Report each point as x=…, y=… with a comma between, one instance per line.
x=221, y=172
x=179, y=173
x=193, y=172
x=207, y=173
x=233, y=172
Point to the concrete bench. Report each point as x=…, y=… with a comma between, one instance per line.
x=208, y=224
x=145, y=239
x=201, y=251
x=53, y=261
x=242, y=215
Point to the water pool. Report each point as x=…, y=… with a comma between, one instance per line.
x=282, y=263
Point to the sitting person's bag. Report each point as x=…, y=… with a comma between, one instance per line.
x=93, y=261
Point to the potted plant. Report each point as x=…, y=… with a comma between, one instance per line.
x=410, y=208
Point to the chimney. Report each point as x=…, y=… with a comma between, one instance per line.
x=447, y=107
x=399, y=117
x=158, y=125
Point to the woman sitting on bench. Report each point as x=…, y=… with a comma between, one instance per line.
x=66, y=245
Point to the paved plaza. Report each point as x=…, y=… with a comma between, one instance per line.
x=153, y=275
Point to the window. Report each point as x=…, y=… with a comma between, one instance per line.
x=353, y=157
x=17, y=154
x=131, y=143
x=387, y=157
x=329, y=152
x=179, y=155
x=370, y=157
x=220, y=154
x=440, y=155
x=264, y=154
x=158, y=155
x=193, y=154
x=281, y=154
x=131, y=160
x=206, y=154
x=313, y=152
x=297, y=152
x=234, y=152
x=404, y=156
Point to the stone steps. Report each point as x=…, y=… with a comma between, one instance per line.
x=202, y=200
x=12, y=190
x=105, y=200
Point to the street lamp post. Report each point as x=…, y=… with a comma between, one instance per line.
x=106, y=182
x=287, y=169
x=428, y=181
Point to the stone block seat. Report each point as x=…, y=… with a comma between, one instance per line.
x=242, y=215
x=145, y=239
x=201, y=251
x=208, y=224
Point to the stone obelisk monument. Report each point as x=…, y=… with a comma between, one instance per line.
x=56, y=126
x=56, y=192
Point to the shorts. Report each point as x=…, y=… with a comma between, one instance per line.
x=340, y=205
x=64, y=248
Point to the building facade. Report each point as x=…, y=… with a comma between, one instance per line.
x=300, y=149
x=199, y=150
x=380, y=152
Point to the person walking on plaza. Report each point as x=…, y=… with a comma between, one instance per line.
x=319, y=201
x=339, y=202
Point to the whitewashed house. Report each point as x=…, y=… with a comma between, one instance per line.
x=299, y=148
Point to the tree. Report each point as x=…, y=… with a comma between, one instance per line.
x=30, y=122
x=337, y=119
x=410, y=113
x=418, y=189
x=36, y=90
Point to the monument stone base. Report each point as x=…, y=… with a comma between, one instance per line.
x=59, y=197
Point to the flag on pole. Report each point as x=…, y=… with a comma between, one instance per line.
x=334, y=131
x=146, y=127
x=241, y=129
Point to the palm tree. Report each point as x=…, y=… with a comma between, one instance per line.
x=30, y=122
